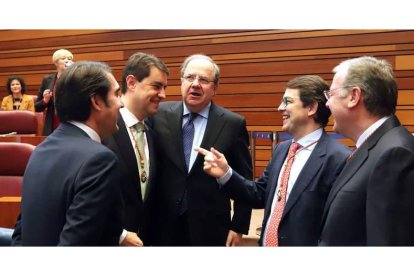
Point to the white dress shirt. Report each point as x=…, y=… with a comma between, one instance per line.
x=308, y=143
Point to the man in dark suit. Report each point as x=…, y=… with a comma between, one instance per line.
x=143, y=87
x=315, y=166
x=193, y=210
x=371, y=202
x=62, y=59
x=70, y=193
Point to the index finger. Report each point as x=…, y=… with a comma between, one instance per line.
x=201, y=151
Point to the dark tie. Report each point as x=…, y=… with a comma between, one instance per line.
x=275, y=217
x=188, y=137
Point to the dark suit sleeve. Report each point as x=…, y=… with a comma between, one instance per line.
x=39, y=107
x=17, y=233
x=96, y=192
x=240, y=160
x=242, y=189
x=390, y=203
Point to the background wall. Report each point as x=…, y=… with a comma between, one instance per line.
x=255, y=64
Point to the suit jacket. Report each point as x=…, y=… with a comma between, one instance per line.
x=70, y=193
x=138, y=215
x=302, y=215
x=209, y=210
x=26, y=104
x=47, y=83
x=371, y=202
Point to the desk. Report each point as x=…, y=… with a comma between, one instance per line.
x=29, y=139
x=9, y=210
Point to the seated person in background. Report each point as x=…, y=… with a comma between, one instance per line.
x=62, y=59
x=17, y=100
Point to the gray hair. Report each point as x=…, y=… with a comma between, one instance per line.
x=192, y=57
x=376, y=80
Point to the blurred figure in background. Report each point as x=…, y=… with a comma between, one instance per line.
x=17, y=100
x=62, y=59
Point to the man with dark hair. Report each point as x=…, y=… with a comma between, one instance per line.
x=144, y=81
x=192, y=211
x=371, y=202
x=71, y=193
x=294, y=186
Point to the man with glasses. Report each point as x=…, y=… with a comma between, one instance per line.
x=294, y=186
x=193, y=211
x=144, y=81
x=371, y=202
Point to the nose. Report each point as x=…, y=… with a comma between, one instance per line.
x=281, y=107
x=196, y=82
x=162, y=94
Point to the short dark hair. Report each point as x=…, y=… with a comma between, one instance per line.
x=311, y=89
x=376, y=80
x=18, y=78
x=77, y=85
x=139, y=65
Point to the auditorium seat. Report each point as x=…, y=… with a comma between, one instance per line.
x=40, y=118
x=20, y=122
x=13, y=161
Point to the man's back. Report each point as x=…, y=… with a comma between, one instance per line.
x=70, y=194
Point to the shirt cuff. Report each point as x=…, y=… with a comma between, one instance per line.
x=225, y=178
x=123, y=236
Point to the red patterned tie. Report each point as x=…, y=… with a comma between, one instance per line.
x=276, y=215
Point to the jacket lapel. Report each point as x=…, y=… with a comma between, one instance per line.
x=279, y=156
x=126, y=148
x=358, y=160
x=150, y=141
x=215, y=124
x=175, y=120
x=310, y=169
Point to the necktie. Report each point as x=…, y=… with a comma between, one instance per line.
x=279, y=206
x=142, y=159
x=188, y=137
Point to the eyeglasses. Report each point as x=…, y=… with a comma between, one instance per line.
x=201, y=80
x=284, y=102
x=328, y=93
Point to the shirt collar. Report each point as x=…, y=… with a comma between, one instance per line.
x=310, y=138
x=129, y=118
x=370, y=130
x=203, y=113
x=89, y=131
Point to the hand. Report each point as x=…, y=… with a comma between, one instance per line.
x=46, y=96
x=132, y=239
x=234, y=239
x=215, y=163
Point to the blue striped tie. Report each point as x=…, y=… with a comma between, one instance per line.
x=188, y=137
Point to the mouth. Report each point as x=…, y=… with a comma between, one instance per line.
x=195, y=94
x=285, y=117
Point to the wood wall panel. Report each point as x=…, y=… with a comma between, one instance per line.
x=255, y=64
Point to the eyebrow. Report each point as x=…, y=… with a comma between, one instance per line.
x=159, y=84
